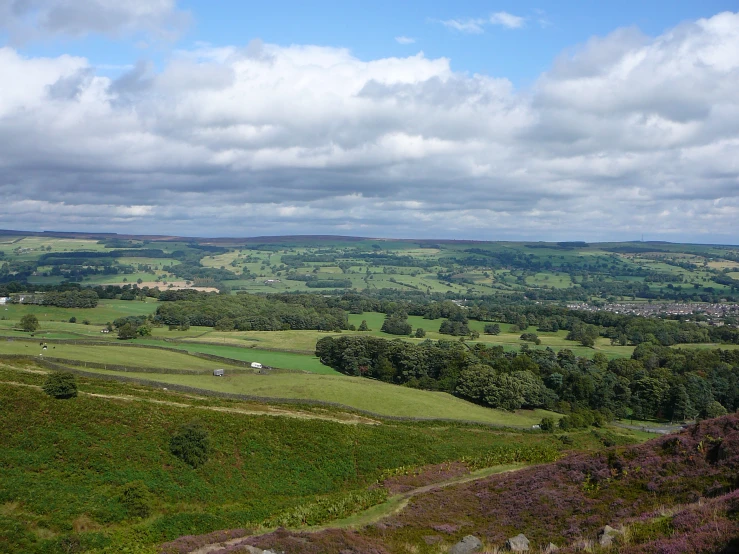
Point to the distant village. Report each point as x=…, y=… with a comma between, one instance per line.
x=711, y=314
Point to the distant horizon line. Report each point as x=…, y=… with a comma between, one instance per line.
x=352, y=238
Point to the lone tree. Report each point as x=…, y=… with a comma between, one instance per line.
x=191, y=444
x=61, y=385
x=29, y=322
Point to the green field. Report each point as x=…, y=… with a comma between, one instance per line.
x=105, y=311
x=128, y=356
x=354, y=392
x=285, y=360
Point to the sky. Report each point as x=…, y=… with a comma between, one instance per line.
x=570, y=120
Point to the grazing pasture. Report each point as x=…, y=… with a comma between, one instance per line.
x=354, y=392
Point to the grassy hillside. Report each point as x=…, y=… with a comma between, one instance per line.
x=125, y=355
x=285, y=360
x=65, y=462
x=353, y=392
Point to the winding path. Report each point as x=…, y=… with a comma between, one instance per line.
x=391, y=506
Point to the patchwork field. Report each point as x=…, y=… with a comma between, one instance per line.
x=623, y=271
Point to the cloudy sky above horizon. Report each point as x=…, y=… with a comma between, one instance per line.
x=411, y=119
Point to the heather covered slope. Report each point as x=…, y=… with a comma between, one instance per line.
x=673, y=494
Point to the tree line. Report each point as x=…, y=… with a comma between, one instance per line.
x=656, y=382
x=248, y=312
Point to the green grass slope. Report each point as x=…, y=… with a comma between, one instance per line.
x=128, y=356
x=354, y=392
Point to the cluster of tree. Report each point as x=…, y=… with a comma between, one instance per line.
x=531, y=337
x=133, y=326
x=76, y=298
x=80, y=257
x=455, y=327
x=656, y=382
x=658, y=277
x=429, y=365
x=583, y=333
x=328, y=283
x=397, y=324
x=247, y=312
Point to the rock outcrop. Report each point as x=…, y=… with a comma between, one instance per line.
x=467, y=545
x=519, y=543
x=608, y=535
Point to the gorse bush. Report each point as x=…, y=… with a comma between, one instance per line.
x=135, y=496
x=191, y=444
x=61, y=385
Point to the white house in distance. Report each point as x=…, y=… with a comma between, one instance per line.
x=256, y=365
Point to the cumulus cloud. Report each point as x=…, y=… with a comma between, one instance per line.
x=29, y=19
x=623, y=135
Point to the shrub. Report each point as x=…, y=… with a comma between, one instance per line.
x=61, y=385
x=29, y=323
x=73, y=319
x=531, y=337
x=135, y=496
x=420, y=333
x=191, y=444
x=547, y=424
x=713, y=409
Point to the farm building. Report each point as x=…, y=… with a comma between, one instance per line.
x=256, y=365
x=218, y=372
